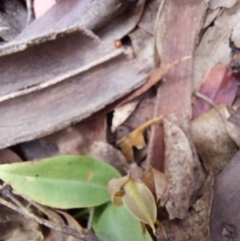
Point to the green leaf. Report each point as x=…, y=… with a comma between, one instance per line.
x=61, y=182
x=117, y=224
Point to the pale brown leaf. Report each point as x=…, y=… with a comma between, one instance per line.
x=213, y=143
x=155, y=181
x=183, y=170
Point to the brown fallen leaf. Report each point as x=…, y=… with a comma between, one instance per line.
x=214, y=145
x=155, y=181
x=183, y=169
x=195, y=226
x=135, y=139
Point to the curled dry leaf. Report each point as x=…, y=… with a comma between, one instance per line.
x=114, y=185
x=183, y=170
x=212, y=140
x=155, y=181
x=135, y=139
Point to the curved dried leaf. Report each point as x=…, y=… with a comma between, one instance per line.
x=135, y=139
x=140, y=202
x=115, y=184
x=156, y=181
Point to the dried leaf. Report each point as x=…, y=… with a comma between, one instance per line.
x=121, y=113
x=155, y=181
x=135, y=139
x=140, y=202
x=183, y=170
x=114, y=185
x=220, y=86
x=208, y=128
x=195, y=226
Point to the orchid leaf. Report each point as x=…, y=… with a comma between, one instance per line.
x=61, y=182
x=117, y=224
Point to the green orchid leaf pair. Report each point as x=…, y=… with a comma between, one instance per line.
x=74, y=182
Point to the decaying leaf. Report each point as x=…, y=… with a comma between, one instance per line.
x=155, y=181
x=114, y=185
x=220, y=85
x=212, y=140
x=183, y=169
x=135, y=139
x=195, y=226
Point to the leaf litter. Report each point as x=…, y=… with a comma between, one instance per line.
x=63, y=104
